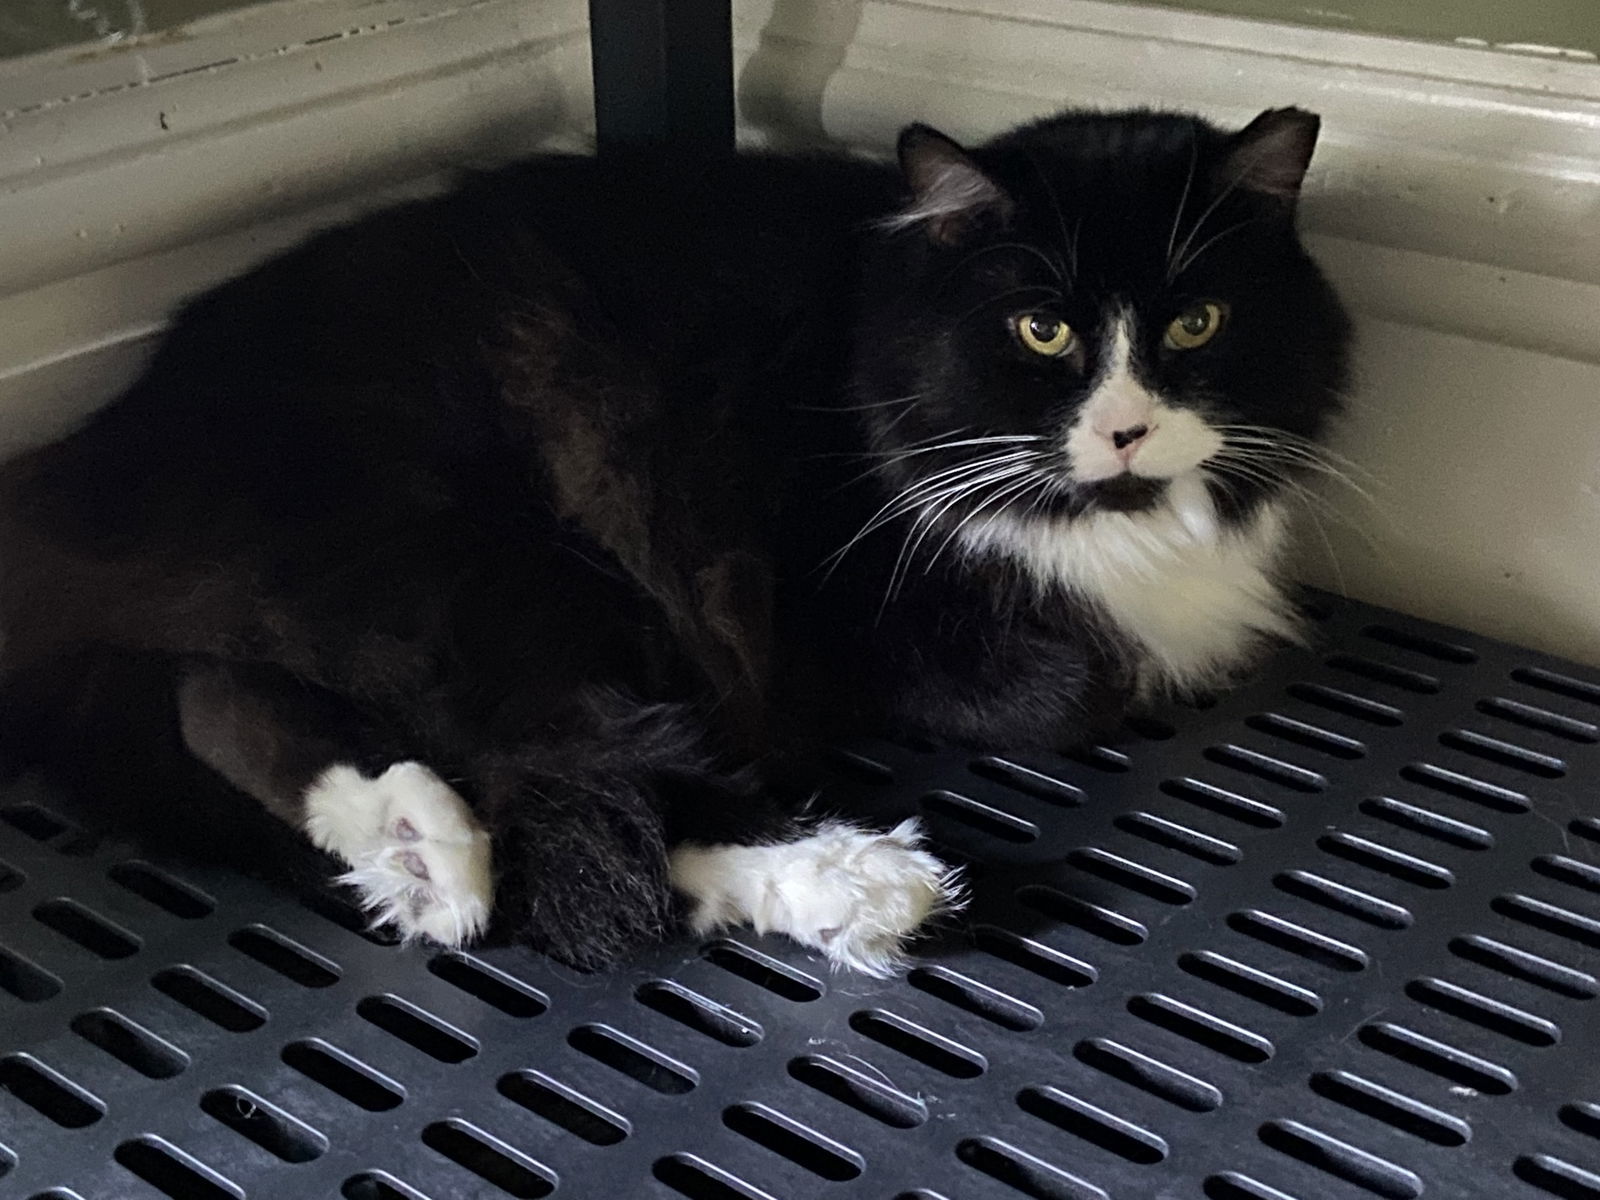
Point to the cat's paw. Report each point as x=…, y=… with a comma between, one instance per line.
x=853, y=895
x=417, y=855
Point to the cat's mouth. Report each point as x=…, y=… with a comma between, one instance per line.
x=1124, y=493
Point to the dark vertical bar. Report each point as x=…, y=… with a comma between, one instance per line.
x=663, y=74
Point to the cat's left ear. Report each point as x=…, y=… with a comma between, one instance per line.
x=950, y=193
x=1270, y=155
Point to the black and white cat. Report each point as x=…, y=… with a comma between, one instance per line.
x=499, y=542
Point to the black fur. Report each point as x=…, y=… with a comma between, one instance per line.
x=539, y=482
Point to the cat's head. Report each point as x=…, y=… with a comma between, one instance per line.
x=1100, y=313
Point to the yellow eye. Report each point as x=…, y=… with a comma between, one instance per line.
x=1043, y=334
x=1196, y=326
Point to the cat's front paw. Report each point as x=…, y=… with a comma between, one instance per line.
x=418, y=857
x=854, y=895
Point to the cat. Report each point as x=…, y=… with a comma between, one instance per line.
x=503, y=542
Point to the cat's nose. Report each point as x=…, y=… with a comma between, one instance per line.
x=1122, y=439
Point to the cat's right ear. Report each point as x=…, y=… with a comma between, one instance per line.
x=950, y=193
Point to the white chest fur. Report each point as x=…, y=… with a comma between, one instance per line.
x=1194, y=594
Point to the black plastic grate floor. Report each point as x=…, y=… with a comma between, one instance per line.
x=1333, y=937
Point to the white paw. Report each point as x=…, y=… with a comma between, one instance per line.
x=417, y=855
x=853, y=895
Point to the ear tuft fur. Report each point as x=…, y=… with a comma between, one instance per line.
x=949, y=191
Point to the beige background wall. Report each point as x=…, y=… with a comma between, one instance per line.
x=1556, y=24
x=1455, y=199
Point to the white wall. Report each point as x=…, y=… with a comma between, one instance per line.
x=1455, y=199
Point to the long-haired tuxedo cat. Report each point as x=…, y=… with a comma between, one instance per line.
x=499, y=541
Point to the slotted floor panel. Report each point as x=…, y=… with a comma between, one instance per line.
x=1333, y=936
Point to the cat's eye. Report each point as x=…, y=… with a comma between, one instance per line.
x=1196, y=326
x=1043, y=334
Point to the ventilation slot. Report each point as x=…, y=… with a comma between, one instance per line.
x=1033, y=956
x=49, y=1093
x=38, y=823
x=979, y=999
x=862, y=1092
x=204, y=996
x=494, y=987
x=763, y=971
x=1530, y=968
x=1091, y=918
x=378, y=1185
x=631, y=1057
x=1310, y=737
x=1099, y=758
x=1225, y=803
x=860, y=768
x=1148, y=1075
x=1439, y=1058
x=289, y=959
x=172, y=1172
x=699, y=1180
x=698, y=1013
x=1569, y=871
x=1585, y=1118
x=919, y=1044
x=344, y=1076
x=349, y=917
x=1505, y=754
x=788, y=1139
x=1094, y=1125
x=1559, y=1178
x=1339, y=898
x=166, y=892
x=1264, y=766
x=1586, y=827
x=1137, y=877
x=490, y=1159
x=982, y=817
x=8, y=1161
x=1431, y=824
x=1348, y=704
x=28, y=983
x=1466, y=787
x=1202, y=1028
x=1386, y=673
x=268, y=1126
x=90, y=930
x=1479, y=1010
x=1551, y=918
x=1541, y=719
x=1297, y=939
x=1252, y=984
x=1149, y=728
x=1392, y=1108
x=1445, y=652
x=563, y=1107
x=1173, y=836
x=1027, y=781
x=1561, y=685
x=130, y=1044
x=1386, y=860
x=10, y=878
x=1029, y=1175
x=417, y=1029
x=1347, y=1162
x=1234, y=1186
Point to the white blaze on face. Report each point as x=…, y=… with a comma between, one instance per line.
x=1156, y=440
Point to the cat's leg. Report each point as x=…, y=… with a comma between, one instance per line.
x=418, y=856
x=855, y=895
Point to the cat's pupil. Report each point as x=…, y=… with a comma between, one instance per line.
x=1196, y=322
x=1044, y=328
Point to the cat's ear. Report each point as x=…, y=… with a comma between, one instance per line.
x=950, y=193
x=1270, y=155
